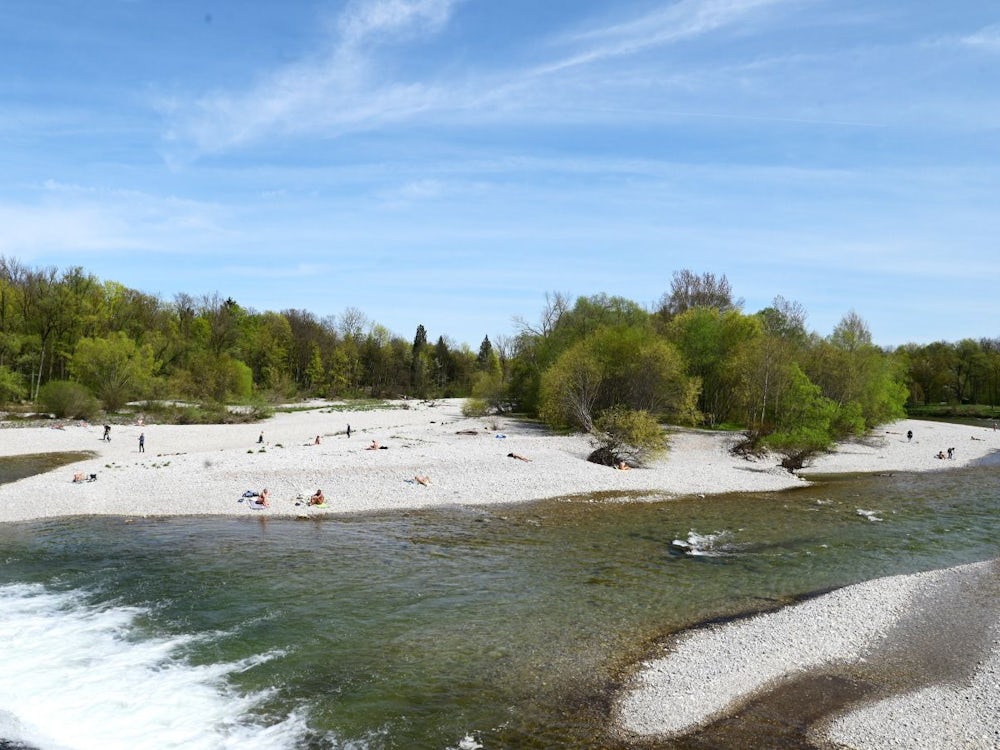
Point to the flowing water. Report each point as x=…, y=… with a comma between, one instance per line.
x=465, y=628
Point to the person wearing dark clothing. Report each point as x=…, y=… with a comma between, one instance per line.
x=142, y=442
x=107, y=433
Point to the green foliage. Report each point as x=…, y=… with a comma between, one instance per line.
x=115, y=368
x=867, y=384
x=488, y=387
x=475, y=407
x=807, y=426
x=12, y=385
x=67, y=400
x=630, y=367
x=630, y=435
x=715, y=345
x=698, y=358
x=570, y=389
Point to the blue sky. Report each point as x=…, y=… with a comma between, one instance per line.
x=448, y=162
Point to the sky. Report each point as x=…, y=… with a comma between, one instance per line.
x=447, y=163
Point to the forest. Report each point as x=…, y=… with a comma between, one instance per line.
x=73, y=345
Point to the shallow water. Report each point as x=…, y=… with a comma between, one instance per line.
x=470, y=627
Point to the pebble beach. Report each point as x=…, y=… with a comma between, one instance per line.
x=211, y=469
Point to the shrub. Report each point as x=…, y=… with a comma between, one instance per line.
x=67, y=400
x=626, y=435
x=475, y=407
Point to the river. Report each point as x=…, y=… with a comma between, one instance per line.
x=473, y=627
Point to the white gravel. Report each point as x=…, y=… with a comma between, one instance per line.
x=204, y=469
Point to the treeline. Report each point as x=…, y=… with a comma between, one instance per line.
x=121, y=344
x=697, y=358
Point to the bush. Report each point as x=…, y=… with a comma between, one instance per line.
x=67, y=400
x=475, y=407
x=628, y=435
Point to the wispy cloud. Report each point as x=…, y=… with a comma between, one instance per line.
x=687, y=19
x=365, y=22
x=342, y=90
x=67, y=218
x=987, y=38
x=333, y=92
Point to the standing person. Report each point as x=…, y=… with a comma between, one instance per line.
x=142, y=442
x=107, y=433
x=349, y=430
x=909, y=435
x=261, y=438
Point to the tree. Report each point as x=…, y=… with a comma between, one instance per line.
x=263, y=344
x=484, y=359
x=223, y=318
x=626, y=367
x=806, y=426
x=688, y=290
x=570, y=389
x=867, y=385
x=713, y=344
x=114, y=368
x=12, y=387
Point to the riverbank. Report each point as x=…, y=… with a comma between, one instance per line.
x=206, y=469
x=921, y=651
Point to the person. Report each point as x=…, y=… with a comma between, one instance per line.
x=142, y=442
x=260, y=438
x=518, y=456
x=374, y=446
x=79, y=477
x=422, y=479
x=951, y=453
x=909, y=435
x=107, y=433
x=940, y=454
x=262, y=499
x=348, y=430
x=316, y=441
x=622, y=466
x=318, y=498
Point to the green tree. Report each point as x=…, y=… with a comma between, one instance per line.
x=114, y=368
x=867, y=385
x=713, y=344
x=486, y=360
x=570, y=389
x=627, y=367
x=264, y=342
x=12, y=386
x=806, y=425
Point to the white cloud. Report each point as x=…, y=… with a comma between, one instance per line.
x=987, y=38
x=683, y=20
x=366, y=21
x=333, y=92
x=340, y=90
